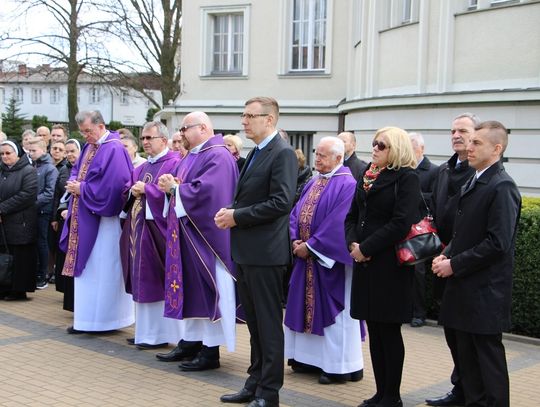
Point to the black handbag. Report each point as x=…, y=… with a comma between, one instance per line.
x=421, y=243
x=6, y=262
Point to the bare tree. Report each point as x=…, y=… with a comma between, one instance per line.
x=68, y=41
x=153, y=29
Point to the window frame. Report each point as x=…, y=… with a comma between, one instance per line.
x=94, y=95
x=208, y=15
x=54, y=96
x=311, y=21
x=124, y=97
x=18, y=94
x=36, y=96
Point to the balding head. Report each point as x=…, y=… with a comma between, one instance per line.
x=44, y=133
x=349, y=140
x=196, y=128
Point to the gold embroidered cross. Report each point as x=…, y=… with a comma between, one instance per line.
x=174, y=286
x=174, y=235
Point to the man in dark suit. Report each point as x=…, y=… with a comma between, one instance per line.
x=427, y=172
x=450, y=178
x=478, y=264
x=356, y=165
x=261, y=247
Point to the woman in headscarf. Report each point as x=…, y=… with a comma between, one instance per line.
x=18, y=215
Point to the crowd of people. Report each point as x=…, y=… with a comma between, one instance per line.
x=194, y=238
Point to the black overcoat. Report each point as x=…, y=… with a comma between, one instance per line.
x=377, y=220
x=478, y=296
x=18, y=195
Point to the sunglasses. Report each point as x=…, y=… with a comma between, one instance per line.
x=380, y=145
x=183, y=129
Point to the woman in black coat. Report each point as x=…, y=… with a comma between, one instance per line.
x=384, y=208
x=18, y=195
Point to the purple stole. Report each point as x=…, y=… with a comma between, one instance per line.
x=304, y=224
x=73, y=242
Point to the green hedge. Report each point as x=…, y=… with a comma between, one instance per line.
x=526, y=279
x=526, y=290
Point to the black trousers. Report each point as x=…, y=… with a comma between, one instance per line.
x=387, y=356
x=455, y=377
x=261, y=291
x=484, y=372
x=419, y=290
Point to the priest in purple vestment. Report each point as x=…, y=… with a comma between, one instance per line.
x=142, y=245
x=199, y=273
x=92, y=229
x=319, y=332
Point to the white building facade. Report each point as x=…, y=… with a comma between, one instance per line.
x=44, y=92
x=360, y=65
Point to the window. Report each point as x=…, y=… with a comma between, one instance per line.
x=407, y=11
x=225, y=42
x=150, y=95
x=398, y=12
x=2, y=96
x=124, y=97
x=55, y=96
x=95, y=97
x=473, y=4
x=18, y=95
x=227, y=50
x=308, y=45
x=36, y=96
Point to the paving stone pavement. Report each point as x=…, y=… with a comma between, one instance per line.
x=41, y=365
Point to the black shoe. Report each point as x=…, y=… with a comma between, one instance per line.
x=73, y=331
x=243, y=396
x=42, y=284
x=16, y=297
x=131, y=341
x=449, y=399
x=146, y=346
x=52, y=279
x=371, y=402
x=299, y=367
x=418, y=322
x=331, y=378
x=382, y=403
x=355, y=376
x=179, y=354
x=258, y=402
x=199, y=364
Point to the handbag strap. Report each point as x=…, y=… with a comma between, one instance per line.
x=4, y=240
x=428, y=213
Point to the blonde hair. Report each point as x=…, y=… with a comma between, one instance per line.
x=39, y=142
x=236, y=140
x=401, y=153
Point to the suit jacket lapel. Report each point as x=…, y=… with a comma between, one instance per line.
x=262, y=156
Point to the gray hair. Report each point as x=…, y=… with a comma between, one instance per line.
x=161, y=128
x=472, y=117
x=28, y=132
x=337, y=146
x=95, y=117
x=417, y=137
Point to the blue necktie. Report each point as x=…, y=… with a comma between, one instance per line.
x=253, y=156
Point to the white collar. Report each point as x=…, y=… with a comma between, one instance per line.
x=153, y=159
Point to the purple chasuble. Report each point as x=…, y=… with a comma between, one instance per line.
x=207, y=182
x=316, y=293
x=142, y=244
x=103, y=170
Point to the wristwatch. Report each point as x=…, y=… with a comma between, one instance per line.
x=172, y=191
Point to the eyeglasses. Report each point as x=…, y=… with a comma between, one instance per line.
x=250, y=116
x=148, y=138
x=86, y=131
x=380, y=145
x=184, y=128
